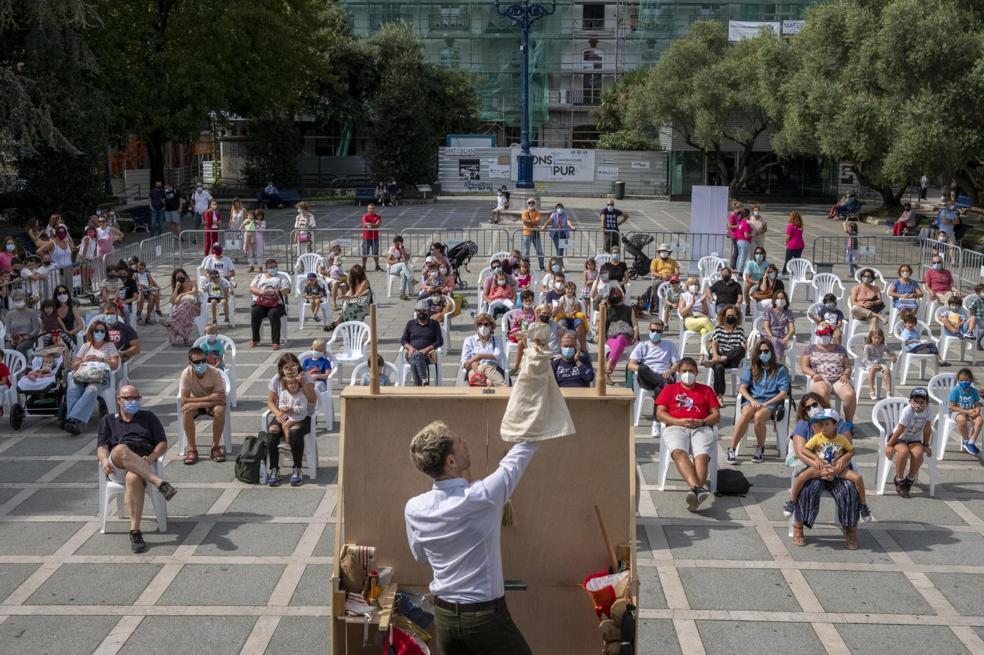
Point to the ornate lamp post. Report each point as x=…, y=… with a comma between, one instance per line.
x=524, y=14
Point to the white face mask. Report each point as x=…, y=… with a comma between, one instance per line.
x=19, y=304
x=693, y=288
x=824, y=340
x=558, y=285
x=813, y=411
x=780, y=304
x=688, y=377
x=484, y=330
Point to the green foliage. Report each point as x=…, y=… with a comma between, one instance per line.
x=272, y=150
x=628, y=140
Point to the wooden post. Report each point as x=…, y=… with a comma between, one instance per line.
x=601, y=374
x=373, y=350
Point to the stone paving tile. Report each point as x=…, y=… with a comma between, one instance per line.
x=26, y=470
x=748, y=589
x=314, y=587
x=187, y=635
x=975, y=505
x=191, y=502
x=222, y=584
x=715, y=509
x=116, y=541
x=657, y=637
x=55, y=502
x=204, y=471
x=82, y=471
x=47, y=446
x=326, y=544
x=917, y=509
x=12, y=575
x=66, y=635
x=715, y=542
x=35, y=538
x=864, y=639
x=746, y=638
x=299, y=634
x=866, y=592
x=251, y=539
x=650, y=589
x=283, y=501
x=643, y=549
x=965, y=591
x=939, y=546
x=94, y=584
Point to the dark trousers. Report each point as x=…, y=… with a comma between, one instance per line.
x=612, y=239
x=734, y=254
x=791, y=253
x=733, y=361
x=420, y=368
x=256, y=316
x=296, y=435
x=488, y=632
x=651, y=381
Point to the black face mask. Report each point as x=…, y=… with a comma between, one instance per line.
x=726, y=278
x=422, y=316
x=616, y=300
x=544, y=318
x=731, y=320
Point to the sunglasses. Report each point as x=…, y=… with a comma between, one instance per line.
x=196, y=362
x=811, y=406
x=130, y=397
x=657, y=331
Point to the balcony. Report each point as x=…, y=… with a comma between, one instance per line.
x=574, y=98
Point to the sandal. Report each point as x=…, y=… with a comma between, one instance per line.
x=798, y=538
x=191, y=457
x=216, y=454
x=851, y=538
x=275, y=346
x=254, y=344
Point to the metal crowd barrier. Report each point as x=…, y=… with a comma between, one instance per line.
x=951, y=255
x=971, y=271
x=189, y=248
x=891, y=252
x=159, y=251
x=489, y=240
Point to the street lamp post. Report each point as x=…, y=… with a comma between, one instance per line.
x=524, y=14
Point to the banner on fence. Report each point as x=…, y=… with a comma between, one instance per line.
x=559, y=164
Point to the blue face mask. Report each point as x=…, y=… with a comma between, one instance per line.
x=316, y=355
x=211, y=338
x=99, y=335
x=965, y=384
x=199, y=368
x=567, y=353
x=131, y=406
x=272, y=270
x=764, y=357
x=655, y=337
x=110, y=319
x=555, y=268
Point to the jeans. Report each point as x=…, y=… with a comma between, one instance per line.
x=80, y=400
x=535, y=241
x=743, y=248
x=488, y=632
x=419, y=368
x=402, y=270
x=556, y=236
x=156, y=222
x=256, y=316
x=296, y=435
x=612, y=239
x=733, y=261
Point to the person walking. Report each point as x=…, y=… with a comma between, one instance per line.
x=200, y=201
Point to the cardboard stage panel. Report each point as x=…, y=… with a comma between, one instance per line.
x=556, y=540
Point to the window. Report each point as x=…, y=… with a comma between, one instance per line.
x=593, y=17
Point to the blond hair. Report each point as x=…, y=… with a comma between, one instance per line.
x=318, y=344
x=430, y=447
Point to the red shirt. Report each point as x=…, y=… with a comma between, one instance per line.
x=681, y=402
x=371, y=221
x=212, y=220
x=938, y=281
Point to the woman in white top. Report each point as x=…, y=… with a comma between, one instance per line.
x=270, y=291
x=482, y=355
x=398, y=261
x=759, y=227
x=695, y=308
x=303, y=224
x=58, y=248
x=91, y=364
x=237, y=214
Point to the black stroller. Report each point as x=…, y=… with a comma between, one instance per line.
x=634, y=246
x=460, y=256
x=44, y=396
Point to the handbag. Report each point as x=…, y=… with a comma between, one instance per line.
x=91, y=373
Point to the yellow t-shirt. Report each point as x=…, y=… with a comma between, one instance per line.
x=664, y=267
x=829, y=449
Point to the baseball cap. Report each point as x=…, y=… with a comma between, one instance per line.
x=825, y=414
x=663, y=246
x=312, y=276
x=422, y=306
x=674, y=278
x=217, y=248
x=919, y=392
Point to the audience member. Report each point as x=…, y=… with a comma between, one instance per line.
x=420, y=341
x=202, y=392
x=572, y=367
x=765, y=385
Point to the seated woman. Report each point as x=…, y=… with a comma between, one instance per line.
x=907, y=221
x=185, y=306
x=695, y=308
x=768, y=286
x=905, y=293
x=866, y=300
x=483, y=355
x=572, y=367
x=829, y=369
x=764, y=387
x=727, y=346
x=779, y=326
x=844, y=492
x=90, y=376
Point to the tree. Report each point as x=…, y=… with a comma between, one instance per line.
x=895, y=87
x=172, y=63
x=611, y=116
x=274, y=145
x=715, y=95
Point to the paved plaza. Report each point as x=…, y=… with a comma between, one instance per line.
x=246, y=569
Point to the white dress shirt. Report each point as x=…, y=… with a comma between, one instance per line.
x=456, y=528
x=494, y=346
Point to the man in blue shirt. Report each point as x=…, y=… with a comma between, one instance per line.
x=571, y=368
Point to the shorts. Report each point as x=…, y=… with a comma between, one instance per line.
x=172, y=216
x=368, y=244
x=698, y=441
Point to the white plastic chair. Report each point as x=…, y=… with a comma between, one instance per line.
x=228, y=360
x=115, y=485
x=310, y=449
x=939, y=389
x=685, y=334
x=855, y=348
x=946, y=340
x=824, y=283
x=483, y=275
x=326, y=402
x=205, y=315
x=906, y=359
x=665, y=460
x=308, y=263
x=879, y=278
x=403, y=366
x=601, y=259
x=504, y=331
x=363, y=368
x=392, y=278
x=227, y=428
x=354, y=343
x=16, y=363
x=501, y=255
x=710, y=264
x=885, y=416
x=781, y=428
x=325, y=309
x=641, y=394
x=799, y=269
x=446, y=324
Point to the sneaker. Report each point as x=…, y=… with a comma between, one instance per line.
x=273, y=478
x=944, y=364
x=900, y=487
x=759, y=455
x=167, y=490
x=283, y=447
x=295, y=478
x=227, y=320
x=970, y=448
x=789, y=508
x=137, y=543
x=692, y=500
x=702, y=495
x=872, y=395
x=731, y=457
x=865, y=514
x=73, y=427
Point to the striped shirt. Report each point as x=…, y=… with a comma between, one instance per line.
x=728, y=341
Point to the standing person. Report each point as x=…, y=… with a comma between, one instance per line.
x=794, y=238
x=249, y=240
x=371, y=222
x=156, y=199
x=456, y=528
x=743, y=239
x=237, y=215
x=303, y=224
x=611, y=220
x=261, y=226
x=561, y=226
x=173, y=205
x=923, y=187
x=759, y=227
x=212, y=221
x=734, y=218
x=200, y=201
x=106, y=237
x=531, y=231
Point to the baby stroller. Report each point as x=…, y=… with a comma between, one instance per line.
x=634, y=246
x=459, y=256
x=44, y=396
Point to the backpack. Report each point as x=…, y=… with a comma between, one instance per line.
x=252, y=453
x=730, y=483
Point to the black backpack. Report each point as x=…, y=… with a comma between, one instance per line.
x=732, y=483
x=252, y=453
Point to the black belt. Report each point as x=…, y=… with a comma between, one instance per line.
x=458, y=608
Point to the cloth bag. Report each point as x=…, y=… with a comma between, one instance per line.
x=536, y=410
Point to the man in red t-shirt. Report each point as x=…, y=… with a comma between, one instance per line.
x=688, y=412
x=939, y=282
x=371, y=221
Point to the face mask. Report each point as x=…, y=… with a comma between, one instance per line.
x=10, y=247
x=61, y=234
x=179, y=279
x=616, y=257
x=62, y=297
x=726, y=278
x=272, y=270
x=98, y=335
x=567, y=353
x=655, y=337
x=484, y=330
x=501, y=283
x=611, y=206
x=813, y=411
x=663, y=254
x=693, y=288
x=19, y=304
x=772, y=276
x=616, y=300
x=110, y=319
x=780, y=304
x=965, y=384
x=527, y=306
x=496, y=269
x=544, y=318
x=938, y=266
x=867, y=280
x=688, y=378
x=316, y=355
x=905, y=275
x=824, y=340
x=759, y=257
x=604, y=277
x=211, y=338
x=765, y=357
x=731, y=320
x=558, y=285
x=199, y=368
x=443, y=270
x=436, y=299
x=422, y=316
x=755, y=214
x=514, y=261
x=830, y=305
x=131, y=406
x=560, y=210
x=555, y=268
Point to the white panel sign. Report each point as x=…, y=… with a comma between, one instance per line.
x=559, y=165
x=792, y=27
x=498, y=171
x=640, y=165
x=607, y=173
x=708, y=215
x=739, y=30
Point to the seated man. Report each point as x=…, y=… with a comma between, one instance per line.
x=130, y=441
x=664, y=266
x=956, y=321
x=654, y=361
x=122, y=336
x=689, y=411
x=938, y=282
x=421, y=339
x=202, y=393
x=271, y=195
x=572, y=368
